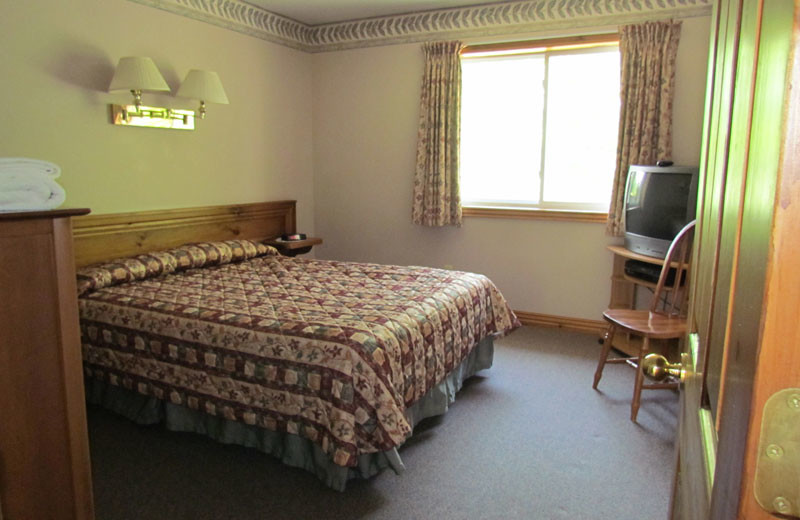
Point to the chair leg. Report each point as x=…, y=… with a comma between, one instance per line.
x=608, y=339
x=637, y=387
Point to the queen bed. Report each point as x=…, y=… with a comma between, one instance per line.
x=326, y=365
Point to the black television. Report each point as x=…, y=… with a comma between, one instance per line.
x=659, y=201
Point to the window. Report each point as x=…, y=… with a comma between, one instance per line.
x=539, y=125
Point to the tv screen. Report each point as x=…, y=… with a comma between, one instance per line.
x=659, y=201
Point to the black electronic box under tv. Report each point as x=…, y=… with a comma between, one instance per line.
x=659, y=201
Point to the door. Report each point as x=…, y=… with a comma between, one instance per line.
x=740, y=345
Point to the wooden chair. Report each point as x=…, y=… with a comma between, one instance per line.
x=664, y=320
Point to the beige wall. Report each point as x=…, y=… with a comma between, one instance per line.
x=57, y=61
x=365, y=126
x=353, y=185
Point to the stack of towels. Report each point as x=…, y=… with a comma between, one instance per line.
x=29, y=185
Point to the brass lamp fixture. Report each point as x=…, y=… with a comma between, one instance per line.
x=139, y=74
x=203, y=85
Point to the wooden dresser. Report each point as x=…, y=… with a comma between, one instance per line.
x=44, y=448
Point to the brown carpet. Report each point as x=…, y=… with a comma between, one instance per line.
x=528, y=438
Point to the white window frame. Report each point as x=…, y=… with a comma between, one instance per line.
x=586, y=212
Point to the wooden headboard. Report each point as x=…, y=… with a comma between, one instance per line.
x=99, y=238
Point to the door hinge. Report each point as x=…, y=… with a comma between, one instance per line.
x=777, y=480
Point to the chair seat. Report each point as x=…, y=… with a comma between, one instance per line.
x=647, y=323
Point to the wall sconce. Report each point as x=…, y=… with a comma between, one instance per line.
x=203, y=85
x=140, y=74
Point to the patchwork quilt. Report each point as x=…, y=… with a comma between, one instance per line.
x=334, y=352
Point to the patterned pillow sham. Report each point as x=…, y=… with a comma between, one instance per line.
x=203, y=254
x=124, y=270
x=245, y=249
x=190, y=256
x=158, y=263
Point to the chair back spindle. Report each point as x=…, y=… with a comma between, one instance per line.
x=672, y=292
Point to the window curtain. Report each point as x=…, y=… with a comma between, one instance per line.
x=437, y=201
x=647, y=83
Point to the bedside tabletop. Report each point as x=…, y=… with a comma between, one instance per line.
x=294, y=247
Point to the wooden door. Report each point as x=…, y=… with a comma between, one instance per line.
x=742, y=289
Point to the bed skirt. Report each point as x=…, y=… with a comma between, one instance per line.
x=291, y=449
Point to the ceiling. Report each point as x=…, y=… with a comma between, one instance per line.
x=316, y=12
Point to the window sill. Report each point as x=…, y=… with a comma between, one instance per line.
x=536, y=214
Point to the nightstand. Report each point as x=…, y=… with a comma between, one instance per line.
x=294, y=247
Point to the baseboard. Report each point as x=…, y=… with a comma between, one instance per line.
x=561, y=322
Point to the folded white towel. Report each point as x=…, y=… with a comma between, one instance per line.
x=29, y=191
x=24, y=164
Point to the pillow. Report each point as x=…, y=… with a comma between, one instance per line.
x=125, y=270
x=252, y=249
x=91, y=278
x=158, y=263
x=246, y=249
x=242, y=249
x=202, y=254
x=188, y=257
x=217, y=253
x=150, y=265
x=267, y=250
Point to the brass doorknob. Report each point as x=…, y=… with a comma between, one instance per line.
x=656, y=366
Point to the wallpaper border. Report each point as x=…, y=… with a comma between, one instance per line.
x=241, y=17
x=505, y=18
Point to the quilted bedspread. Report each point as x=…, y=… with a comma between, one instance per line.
x=331, y=351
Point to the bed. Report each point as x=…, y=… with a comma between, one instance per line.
x=326, y=365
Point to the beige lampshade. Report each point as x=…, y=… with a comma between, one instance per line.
x=137, y=73
x=203, y=85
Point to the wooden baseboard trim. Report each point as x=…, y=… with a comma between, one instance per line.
x=561, y=322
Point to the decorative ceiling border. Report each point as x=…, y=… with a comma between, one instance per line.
x=244, y=18
x=511, y=17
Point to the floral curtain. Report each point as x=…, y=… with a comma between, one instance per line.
x=647, y=81
x=437, y=201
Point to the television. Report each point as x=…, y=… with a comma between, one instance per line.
x=659, y=201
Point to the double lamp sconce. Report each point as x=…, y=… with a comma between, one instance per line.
x=139, y=74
